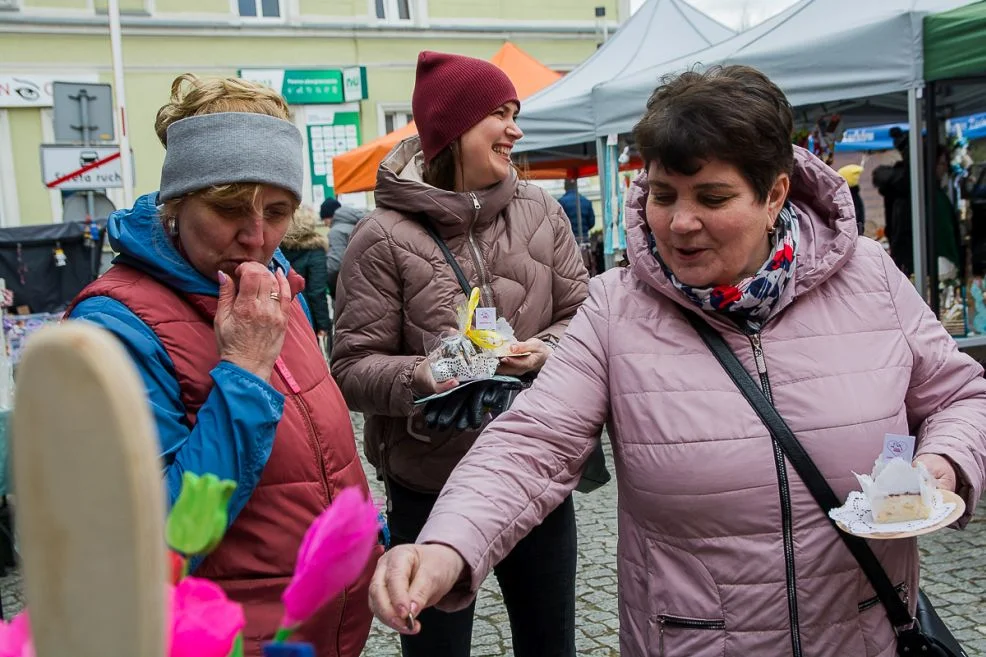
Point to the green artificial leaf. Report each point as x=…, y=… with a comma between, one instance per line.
x=237, y=650
x=198, y=519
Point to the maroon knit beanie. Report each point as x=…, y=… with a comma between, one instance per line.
x=452, y=93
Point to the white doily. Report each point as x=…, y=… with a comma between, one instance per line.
x=857, y=517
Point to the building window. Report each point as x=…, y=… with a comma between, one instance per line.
x=260, y=8
x=393, y=10
x=395, y=120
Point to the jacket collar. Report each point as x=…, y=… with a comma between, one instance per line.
x=400, y=187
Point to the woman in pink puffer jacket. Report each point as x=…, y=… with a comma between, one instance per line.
x=723, y=550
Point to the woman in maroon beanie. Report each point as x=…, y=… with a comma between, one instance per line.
x=454, y=187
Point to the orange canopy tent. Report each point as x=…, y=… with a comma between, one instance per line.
x=356, y=170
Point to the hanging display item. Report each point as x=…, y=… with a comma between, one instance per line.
x=953, y=308
x=978, y=306
x=60, y=259
x=820, y=139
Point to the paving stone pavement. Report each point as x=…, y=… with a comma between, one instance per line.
x=953, y=564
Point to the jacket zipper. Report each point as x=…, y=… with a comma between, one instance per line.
x=689, y=623
x=901, y=589
x=485, y=294
x=309, y=425
x=786, y=515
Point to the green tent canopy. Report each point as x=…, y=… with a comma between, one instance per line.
x=955, y=42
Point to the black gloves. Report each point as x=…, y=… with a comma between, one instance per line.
x=466, y=408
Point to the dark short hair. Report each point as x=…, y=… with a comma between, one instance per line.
x=729, y=113
x=328, y=208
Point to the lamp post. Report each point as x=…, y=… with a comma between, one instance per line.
x=121, y=103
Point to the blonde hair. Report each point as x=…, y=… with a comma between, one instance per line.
x=305, y=215
x=194, y=96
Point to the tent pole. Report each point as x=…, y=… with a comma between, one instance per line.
x=578, y=212
x=609, y=261
x=917, y=209
x=930, y=181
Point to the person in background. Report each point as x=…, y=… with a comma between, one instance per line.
x=573, y=203
x=851, y=173
x=722, y=551
x=341, y=219
x=305, y=249
x=894, y=184
x=893, y=181
x=398, y=293
x=210, y=312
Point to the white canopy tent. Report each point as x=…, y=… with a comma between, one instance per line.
x=561, y=114
x=863, y=60
x=818, y=51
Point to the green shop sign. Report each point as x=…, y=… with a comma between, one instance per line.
x=312, y=86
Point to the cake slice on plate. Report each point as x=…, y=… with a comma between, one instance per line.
x=898, y=491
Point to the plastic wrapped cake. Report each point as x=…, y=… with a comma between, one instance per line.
x=898, y=491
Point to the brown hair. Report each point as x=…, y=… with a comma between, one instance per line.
x=729, y=113
x=193, y=96
x=440, y=170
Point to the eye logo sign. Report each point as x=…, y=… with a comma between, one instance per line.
x=27, y=90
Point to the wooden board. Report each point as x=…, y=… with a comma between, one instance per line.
x=948, y=497
x=90, y=500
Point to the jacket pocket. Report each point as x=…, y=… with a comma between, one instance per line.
x=680, y=636
x=874, y=601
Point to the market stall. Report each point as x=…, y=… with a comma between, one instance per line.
x=842, y=64
x=955, y=73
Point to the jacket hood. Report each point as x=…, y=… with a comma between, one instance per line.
x=347, y=215
x=139, y=237
x=400, y=187
x=302, y=235
x=826, y=217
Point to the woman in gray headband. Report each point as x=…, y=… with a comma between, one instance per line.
x=211, y=313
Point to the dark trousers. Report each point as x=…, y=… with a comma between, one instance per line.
x=537, y=580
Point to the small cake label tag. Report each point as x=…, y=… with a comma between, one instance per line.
x=895, y=447
x=486, y=319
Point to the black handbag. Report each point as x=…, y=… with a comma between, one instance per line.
x=925, y=634
x=595, y=474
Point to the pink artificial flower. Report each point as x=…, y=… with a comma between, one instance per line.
x=333, y=554
x=204, y=623
x=15, y=637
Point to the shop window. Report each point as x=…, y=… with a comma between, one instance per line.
x=396, y=120
x=127, y=7
x=393, y=10
x=260, y=8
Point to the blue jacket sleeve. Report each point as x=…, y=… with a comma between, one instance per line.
x=234, y=429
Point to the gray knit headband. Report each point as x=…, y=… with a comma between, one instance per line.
x=231, y=147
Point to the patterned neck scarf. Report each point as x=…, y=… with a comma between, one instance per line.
x=750, y=301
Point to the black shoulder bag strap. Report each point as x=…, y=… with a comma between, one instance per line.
x=900, y=618
x=463, y=281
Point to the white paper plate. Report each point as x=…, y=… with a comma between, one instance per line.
x=855, y=517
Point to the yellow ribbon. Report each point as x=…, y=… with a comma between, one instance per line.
x=482, y=338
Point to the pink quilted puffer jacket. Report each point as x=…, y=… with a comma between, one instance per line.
x=722, y=549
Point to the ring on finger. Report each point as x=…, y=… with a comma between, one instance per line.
x=275, y=296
